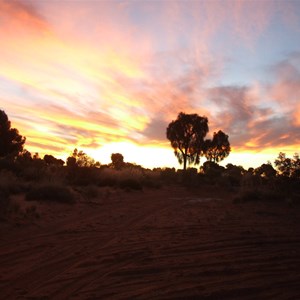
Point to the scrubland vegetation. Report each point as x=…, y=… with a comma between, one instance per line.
x=51, y=179
x=42, y=181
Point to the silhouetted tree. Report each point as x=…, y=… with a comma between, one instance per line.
x=81, y=159
x=234, y=173
x=288, y=167
x=71, y=162
x=11, y=142
x=218, y=148
x=210, y=167
x=51, y=160
x=24, y=157
x=117, y=161
x=295, y=172
x=265, y=170
x=187, y=134
x=283, y=164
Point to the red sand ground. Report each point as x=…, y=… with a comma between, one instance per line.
x=156, y=244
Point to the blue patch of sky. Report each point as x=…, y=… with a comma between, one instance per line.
x=246, y=64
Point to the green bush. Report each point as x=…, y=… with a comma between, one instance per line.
x=50, y=192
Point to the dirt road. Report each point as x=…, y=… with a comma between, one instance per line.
x=156, y=244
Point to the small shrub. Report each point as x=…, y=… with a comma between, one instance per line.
x=50, y=192
x=150, y=183
x=130, y=184
x=9, y=183
x=90, y=191
x=259, y=195
x=108, y=177
x=4, y=205
x=248, y=195
x=83, y=176
x=31, y=212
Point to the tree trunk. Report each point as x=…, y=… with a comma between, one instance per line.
x=184, y=163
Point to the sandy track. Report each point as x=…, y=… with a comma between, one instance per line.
x=161, y=244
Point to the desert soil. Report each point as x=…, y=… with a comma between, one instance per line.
x=169, y=243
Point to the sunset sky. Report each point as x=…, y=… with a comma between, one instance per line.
x=109, y=76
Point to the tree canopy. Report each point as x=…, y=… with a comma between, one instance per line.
x=117, y=161
x=81, y=159
x=187, y=134
x=51, y=160
x=11, y=142
x=218, y=148
x=286, y=166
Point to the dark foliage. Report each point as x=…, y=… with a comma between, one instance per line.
x=187, y=134
x=50, y=192
x=264, y=195
x=117, y=161
x=289, y=167
x=11, y=142
x=51, y=160
x=4, y=204
x=81, y=159
x=218, y=148
x=83, y=175
x=130, y=184
x=266, y=171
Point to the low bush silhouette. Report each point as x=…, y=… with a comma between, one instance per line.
x=4, y=205
x=83, y=176
x=89, y=192
x=108, y=177
x=255, y=195
x=130, y=184
x=50, y=192
x=10, y=184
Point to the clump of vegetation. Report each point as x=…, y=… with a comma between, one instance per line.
x=31, y=212
x=7, y=207
x=89, y=192
x=247, y=196
x=187, y=134
x=130, y=179
x=44, y=179
x=4, y=205
x=50, y=192
x=108, y=177
x=9, y=183
x=254, y=195
x=130, y=184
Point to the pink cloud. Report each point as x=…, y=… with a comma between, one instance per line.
x=128, y=69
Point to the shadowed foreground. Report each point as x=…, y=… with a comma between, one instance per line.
x=163, y=244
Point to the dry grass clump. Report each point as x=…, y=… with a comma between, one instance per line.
x=130, y=184
x=254, y=195
x=9, y=183
x=7, y=207
x=108, y=177
x=4, y=205
x=31, y=212
x=129, y=178
x=50, y=192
